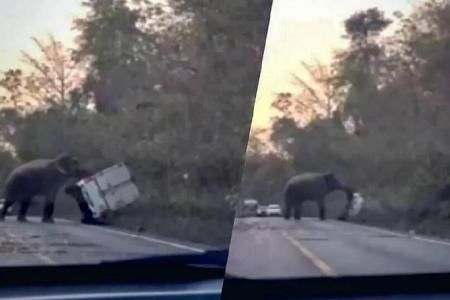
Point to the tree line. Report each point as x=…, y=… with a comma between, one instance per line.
x=167, y=88
x=377, y=116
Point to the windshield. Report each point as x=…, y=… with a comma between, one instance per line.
x=350, y=138
x=123, y=126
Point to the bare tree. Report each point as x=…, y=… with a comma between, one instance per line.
x=316, y=97
x=52, y=77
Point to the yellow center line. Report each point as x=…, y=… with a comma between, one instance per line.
x=316, y=261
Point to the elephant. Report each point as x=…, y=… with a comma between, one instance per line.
x=40, y=177
x=313, y=187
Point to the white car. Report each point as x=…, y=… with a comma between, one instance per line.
x=273, y=210
x=261, y=212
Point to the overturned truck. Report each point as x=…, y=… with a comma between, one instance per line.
x=108, y=190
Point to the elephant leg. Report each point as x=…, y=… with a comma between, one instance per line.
x=49, y=207
x=287, y=211
x=24, y=204
x=297, y=212
x=322, y=212
x=5, y=208
x=47, y=216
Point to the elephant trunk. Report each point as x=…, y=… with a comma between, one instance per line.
x=350, y=199
x=347, y=190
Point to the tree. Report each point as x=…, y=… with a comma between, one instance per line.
x=315, y=98
x=357, y=67
x=396, y=90
x=52, y=79
x=118, y=54
x=173, y=90
x=229, y=38
x=12, y=83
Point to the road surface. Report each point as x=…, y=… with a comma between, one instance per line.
x=278, y=248
x=66, y=242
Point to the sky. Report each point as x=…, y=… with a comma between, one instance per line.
x=22, y=19
x=299, y=30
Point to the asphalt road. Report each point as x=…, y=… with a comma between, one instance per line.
x=66, y=242
x=278, y=248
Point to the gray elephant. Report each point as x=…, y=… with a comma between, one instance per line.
x=40, y=177
x=313, y=187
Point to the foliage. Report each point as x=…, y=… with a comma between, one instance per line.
x=388, y=133
x=173, y=89
x=53, y=80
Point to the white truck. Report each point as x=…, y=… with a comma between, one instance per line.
x=109, y=190
x=249, y=208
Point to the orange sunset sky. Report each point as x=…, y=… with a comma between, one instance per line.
x=299, y=30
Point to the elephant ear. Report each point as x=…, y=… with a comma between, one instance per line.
x=63, y=162
x=59, y=166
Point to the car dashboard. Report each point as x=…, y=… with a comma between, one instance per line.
x=189, y=276
x=418, y=286
x=203, y=289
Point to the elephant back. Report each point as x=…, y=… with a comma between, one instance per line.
x=307, y=185
x=30, y=173
x=34, y=167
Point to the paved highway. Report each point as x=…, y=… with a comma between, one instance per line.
x=65, y=242
x=278, y=248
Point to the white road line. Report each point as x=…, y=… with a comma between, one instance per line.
x=159, y=241
x=317, y=262
x=419, y=238
x=385, y=231
x=431, y=241
x=46, y=259
x=372, y=228
x=112, y=295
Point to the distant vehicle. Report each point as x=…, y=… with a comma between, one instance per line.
x=109, y=190
x=273, y=210
x=249, y=208
x=261, y=211
x=2, y=202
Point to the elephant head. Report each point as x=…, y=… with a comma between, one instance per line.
x=335, y=185
x=69, y=166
